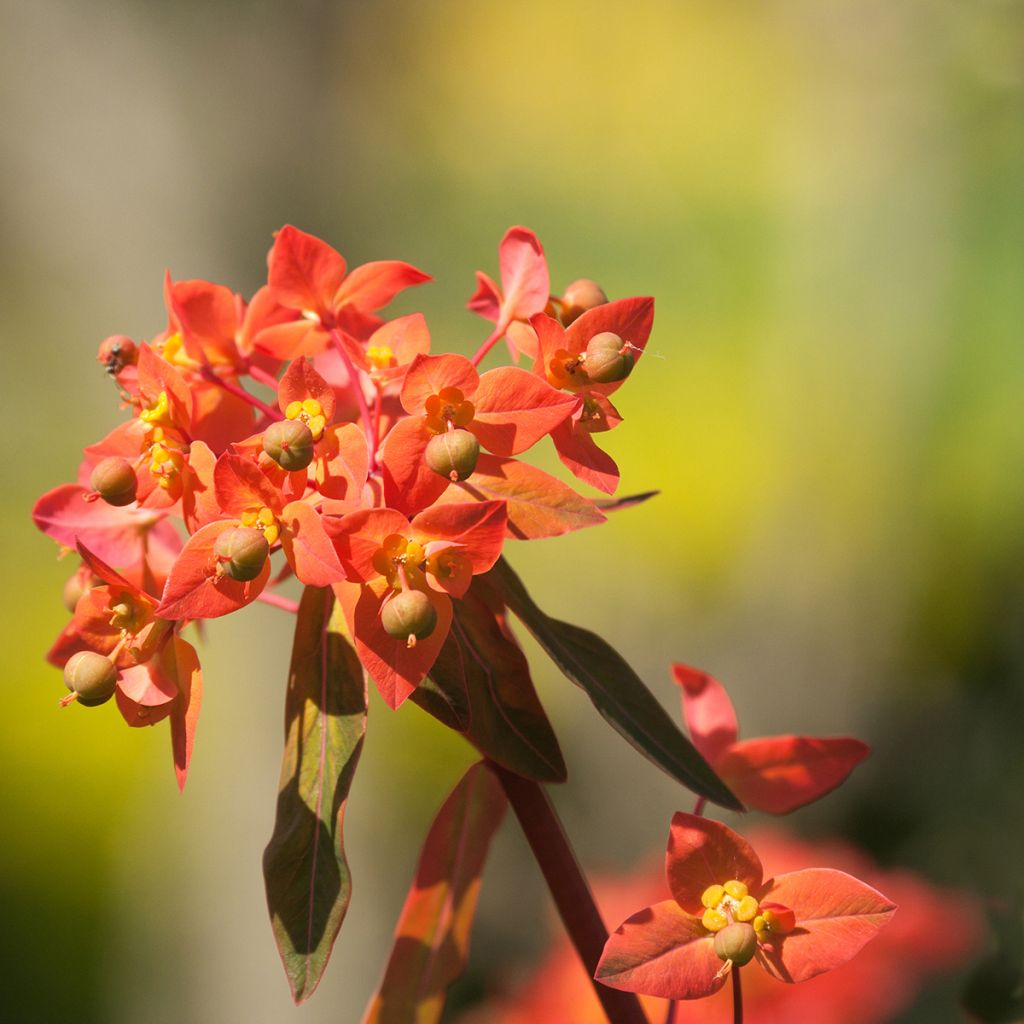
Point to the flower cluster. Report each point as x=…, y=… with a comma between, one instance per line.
x=300, y=433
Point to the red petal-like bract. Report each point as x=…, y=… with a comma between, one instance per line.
x=358, y=537
x=307, y=547
x=374, y=285
x=195, y=591
x=707, y=710
x=409, y=483
x=432, y=935
x=580, y=454
x=304, y=272
x=703, y=852
x=515, y=409
x=781, y=773
x=477, y=527
x=662, y=951
x=836, y=914
x=429, y=375
x=179, y=660
x=301, y=381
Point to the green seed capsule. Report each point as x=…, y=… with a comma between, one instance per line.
x=242, y=552
x=580, y=296
x=114, y=480
x=608, y=358
x=91, y=676
x=453, y=454
x=736, y=942
x=409, y=614
x=289, y=443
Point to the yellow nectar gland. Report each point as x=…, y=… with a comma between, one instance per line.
x=566, y=370
x=448, y=406
x=166, y=457
x=399, y=556
x=159, y=413
x=380, y=357
x=726, y=904
x=310, y=412
x=263, y=520
x=768, y=924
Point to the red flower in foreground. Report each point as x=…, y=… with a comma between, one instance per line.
x=796, y=926
x=775, y=774
x=876, y=986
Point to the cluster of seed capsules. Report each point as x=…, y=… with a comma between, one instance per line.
x=304, y=422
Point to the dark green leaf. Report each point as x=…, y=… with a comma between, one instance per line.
x=307, y=877
x=481, y=687
x=615, y=690
x=432, y=935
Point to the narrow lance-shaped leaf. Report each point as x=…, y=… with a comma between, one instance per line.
x=432, y=935
x=481, y=669
x=615, y=690
x=306, y=873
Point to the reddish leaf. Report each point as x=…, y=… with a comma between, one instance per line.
x=580, y=454
x=779, y=774
x=486, y=300
x=836, y=914
x=539, y=505
x=149, y=685
x=707, y=711
x=179, y=660
x=524, y=274
x=375, y=284
x=615, y=690
x=240, y=486
x=342, y=463
x=627, y=501
x=432, y=936
x=409, y=483
x=515, y=409
x=194, y=590
x=307, y=547
x=303, y=271
x=661, y=951
x=304, y=866
x=482, y=669
x=703, y=852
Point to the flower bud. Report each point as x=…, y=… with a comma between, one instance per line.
x=453, y=454
x=91, y=676
x=242, y=552
x=409, y=614
x=289, y=443
x=608, y=358
x=113, y=479
x=81, y=582
x=580, y=296
x=736, y=942
x=117, y=352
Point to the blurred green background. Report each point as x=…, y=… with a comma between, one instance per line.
x=826, y=200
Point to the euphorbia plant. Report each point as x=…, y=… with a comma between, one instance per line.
x=303, y=434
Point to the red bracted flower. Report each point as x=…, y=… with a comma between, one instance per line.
x=507, y=410
x=724, y=913
x=525, y=291
x=305, y=274
x=401, y=574
x=591, y=358
x=775, y=774
x=225, y=564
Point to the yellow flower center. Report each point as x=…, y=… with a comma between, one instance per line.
x=449, y=405
x=399, y=556
x=159, y=413
x=310, y=412
x=565, y=370
x=380, y=357
x=264, y=520
x=727, y=903
x=166, y=456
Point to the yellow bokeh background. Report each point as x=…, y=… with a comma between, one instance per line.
x=825, y=200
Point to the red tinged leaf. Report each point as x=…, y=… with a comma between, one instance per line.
x=481, y=669
x=303, y=271
x=486, y=300
x=703, y=852
x=207, y=316
x=307, y=547
x=539, y=505
x=301, y=381
x=409, y=483
x=432, y=936
x=342, y=463
x=240, y=486
x=115, y=534
x=138, y=716
x=429, y=375
x=580, y=454
x=304, y=866
x=179, y=660
x=662, y=951
x=515, y=409
x=627, y=501
x=781, y=773
x=836, y=915
x=194, y=590
x=524, y=274
x=707, y=710
x=149, y=685
x=198, y=500
x=614, y=689
x=375, y=284
x=396, y=668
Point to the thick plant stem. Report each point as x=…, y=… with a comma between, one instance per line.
x=737, y=997
x=568, y=887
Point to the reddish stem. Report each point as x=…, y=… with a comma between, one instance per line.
x=568, y=887
x=261, y=376
x=240, y=392
x=698, y=807
x=737, y=997
x=357, y=387
x=276, y=601
x=489, y=342
x=670, y=1016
